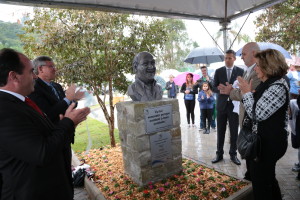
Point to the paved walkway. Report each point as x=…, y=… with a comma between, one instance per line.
x=202, y=147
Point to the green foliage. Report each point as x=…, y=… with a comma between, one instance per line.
x=280, y=24
x=99, y=134
x=9, y=35
x=176, y=47
x=91, y=48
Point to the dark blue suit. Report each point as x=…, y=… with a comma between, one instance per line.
x=225, y=110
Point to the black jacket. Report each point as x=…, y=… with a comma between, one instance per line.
x=44, y=97
x=32, y=157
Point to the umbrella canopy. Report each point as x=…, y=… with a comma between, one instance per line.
x=294, y=61
x=181, y=78
x=268, y=45
x=205, y=55
x=160, y=81
x=166, y=73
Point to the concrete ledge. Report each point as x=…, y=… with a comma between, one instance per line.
x=92, y=190
x=95, y=194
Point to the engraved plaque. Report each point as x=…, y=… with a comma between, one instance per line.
x=161, y=151
x=158, y=118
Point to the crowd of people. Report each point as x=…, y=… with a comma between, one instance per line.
x=260, y=94
x=38, y=117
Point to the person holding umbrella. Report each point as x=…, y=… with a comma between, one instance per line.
x=189, y=98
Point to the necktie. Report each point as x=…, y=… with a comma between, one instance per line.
x=54, y=91
x=29, y=102
x=228, y=74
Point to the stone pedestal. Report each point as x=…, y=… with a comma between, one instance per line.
x=150, y=155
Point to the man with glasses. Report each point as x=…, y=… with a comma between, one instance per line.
x=48, y=95
x=33, y=164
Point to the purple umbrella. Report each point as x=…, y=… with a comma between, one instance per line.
x=181, y=78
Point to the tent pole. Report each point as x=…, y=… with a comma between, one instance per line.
x=224, y=28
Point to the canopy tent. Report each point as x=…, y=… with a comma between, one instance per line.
x=218, y=10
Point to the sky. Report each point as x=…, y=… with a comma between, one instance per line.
x=195, y=30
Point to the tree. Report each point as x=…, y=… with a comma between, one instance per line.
x=280, y=24
x=94, y=49
x=9, y=35
x=232, y=33
x=176, y=47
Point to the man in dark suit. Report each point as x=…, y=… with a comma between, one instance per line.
x=48, y=95
x=224, y=76
x=32, y=162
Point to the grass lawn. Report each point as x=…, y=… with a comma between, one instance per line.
x=99, y=134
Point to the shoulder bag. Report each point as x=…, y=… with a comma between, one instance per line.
x=249, y=142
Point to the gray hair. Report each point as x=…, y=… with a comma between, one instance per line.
x=40, y=61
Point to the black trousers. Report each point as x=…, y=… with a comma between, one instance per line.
x=190, y=107
x=233, y=119
x=206, y=114
x=264, y=183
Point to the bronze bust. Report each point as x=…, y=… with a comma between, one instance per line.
x=145, y=87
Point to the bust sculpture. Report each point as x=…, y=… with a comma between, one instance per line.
x=145, y=87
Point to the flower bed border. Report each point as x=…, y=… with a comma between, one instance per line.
x=95, y=194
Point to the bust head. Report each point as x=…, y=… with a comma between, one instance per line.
x=144, y=88
x=144, y=67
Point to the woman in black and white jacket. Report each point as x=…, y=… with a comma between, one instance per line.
x=271, y=112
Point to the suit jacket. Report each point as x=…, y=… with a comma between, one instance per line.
x=44, y=97
x=221, y=77
x=236, y=95
x=32, y=162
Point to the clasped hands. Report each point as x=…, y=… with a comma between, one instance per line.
x=243, y=84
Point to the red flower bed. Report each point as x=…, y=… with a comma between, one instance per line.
x=194, y=182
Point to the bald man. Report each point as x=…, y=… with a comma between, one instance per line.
x=248, y=52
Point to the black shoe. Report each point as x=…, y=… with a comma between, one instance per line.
x=235, y=160
x=204, y=131
x=217, y=159
x=207, y=131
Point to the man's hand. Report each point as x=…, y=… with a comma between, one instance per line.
x=225, y=89
x=77, y=115
x=79, y=95
x=206, y=77
x=72, y=95
x=70, y=92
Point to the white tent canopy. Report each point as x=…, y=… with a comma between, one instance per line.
x=192, y=9
x=218, y=10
